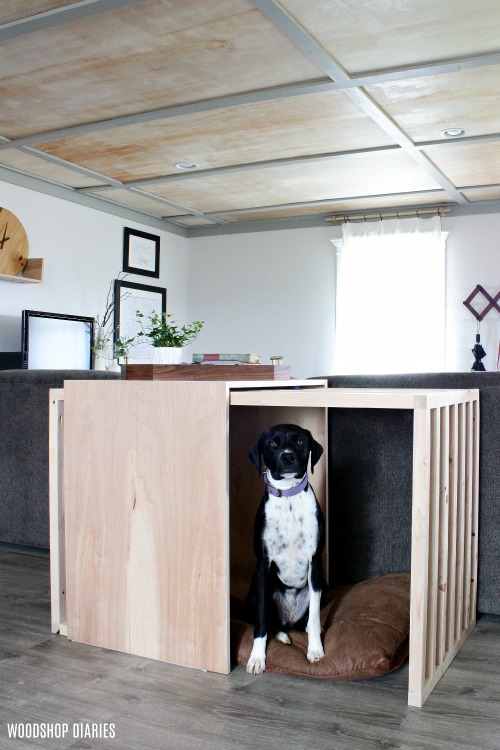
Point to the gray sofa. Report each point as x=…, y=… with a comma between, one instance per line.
x=370, y=475
x=24, y=409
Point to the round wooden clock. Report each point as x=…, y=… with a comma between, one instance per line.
x=14, y=249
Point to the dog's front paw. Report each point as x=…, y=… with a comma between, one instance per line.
x=256, y=665
x=315, y=652
x=257, y=661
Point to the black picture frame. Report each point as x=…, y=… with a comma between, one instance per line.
x=130, y=297
x=141, y=253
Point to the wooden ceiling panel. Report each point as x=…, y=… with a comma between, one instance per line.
x=338, y=177
x=139, y=58
x=14, y=10
x=25, y=162
x=279, y=129
x=437, y=197
x=376, y=34
x=467, y=165
x=192, y=221
x=483, y=194
x=138, y=202
x=423, y=107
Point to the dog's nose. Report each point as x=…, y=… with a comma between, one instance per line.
x=287, y=458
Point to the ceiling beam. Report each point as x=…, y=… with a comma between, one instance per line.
x=314, y=51
x=51, y=18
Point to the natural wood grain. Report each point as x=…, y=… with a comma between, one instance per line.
x=378, y=172
x=206, y=372
x=147, y=519
x=278, y=129
x=14, y=246
x=115, y=63
x=56, y=509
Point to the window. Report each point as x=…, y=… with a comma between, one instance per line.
x=390, y=306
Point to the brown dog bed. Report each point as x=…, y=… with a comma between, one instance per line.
x=366, y=632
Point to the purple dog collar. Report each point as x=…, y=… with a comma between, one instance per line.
x=286, y=493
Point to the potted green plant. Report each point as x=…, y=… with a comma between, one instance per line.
x=167, y=336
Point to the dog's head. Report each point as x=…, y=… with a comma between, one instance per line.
x=285, y=449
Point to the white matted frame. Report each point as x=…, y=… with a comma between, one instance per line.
x=141, y=253
x=130, y=298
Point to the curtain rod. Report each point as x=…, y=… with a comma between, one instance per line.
x=387, y=215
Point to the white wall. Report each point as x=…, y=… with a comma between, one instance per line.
x=274, y=292
x=266, y=293
x=83, y=250
x=263, y=292
x=472, y=257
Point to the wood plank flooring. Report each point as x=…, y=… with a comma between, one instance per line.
x=46, y=679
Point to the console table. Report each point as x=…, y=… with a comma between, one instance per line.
x=153, y=499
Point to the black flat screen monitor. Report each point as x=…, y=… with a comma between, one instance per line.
x=53, y=341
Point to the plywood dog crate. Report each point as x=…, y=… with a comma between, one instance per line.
x=153, y=499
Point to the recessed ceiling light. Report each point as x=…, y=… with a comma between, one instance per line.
x=186, y=165
x=453, y=132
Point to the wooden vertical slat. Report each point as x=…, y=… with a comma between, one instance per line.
x=459, y=598
x=452, y=523
x=419, y=556
x=469, y=484
x=444, y=450
x=475, y=507
x=56, y=512
x=432, y=586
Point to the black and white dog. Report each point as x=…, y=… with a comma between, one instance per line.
x=289, y=537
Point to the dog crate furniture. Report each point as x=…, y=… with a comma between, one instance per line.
x=159, y=499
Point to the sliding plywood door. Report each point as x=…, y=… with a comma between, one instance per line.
x=147, y=519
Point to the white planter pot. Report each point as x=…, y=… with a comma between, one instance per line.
x=167, y=355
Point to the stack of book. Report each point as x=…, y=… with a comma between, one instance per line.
x=226, y=359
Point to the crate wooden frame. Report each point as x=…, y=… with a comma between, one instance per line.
x=444, y=504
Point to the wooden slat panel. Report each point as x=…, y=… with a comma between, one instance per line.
x=146, y=535
x=443, y=541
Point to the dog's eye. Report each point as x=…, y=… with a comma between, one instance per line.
x=300, y=442
x=273, y=444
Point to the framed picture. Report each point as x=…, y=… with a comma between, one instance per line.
x=141, y=253
x=129, y=298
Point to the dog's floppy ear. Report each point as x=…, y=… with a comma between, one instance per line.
x=254, y=455
x=316, y=452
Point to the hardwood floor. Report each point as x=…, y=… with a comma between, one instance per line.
x=46, y=680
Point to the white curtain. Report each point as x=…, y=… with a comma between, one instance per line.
x=390, y=307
